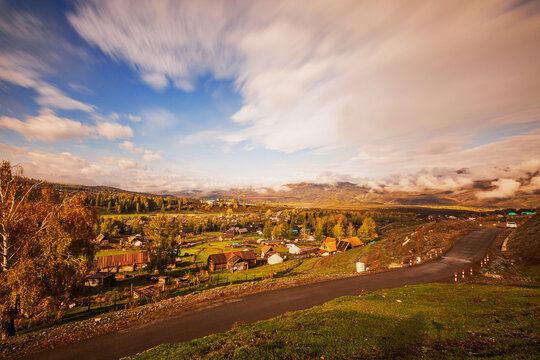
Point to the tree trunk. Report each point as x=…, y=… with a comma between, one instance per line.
x=8, y=325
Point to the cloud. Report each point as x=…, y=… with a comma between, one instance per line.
x=23, y=31
x=134, y=118
x=49, y=127
x=505, y=188
x=314, y=75
x=159, y=118
x=130, y=147
x=113, y=131
x=150, y=156
x=52, y=97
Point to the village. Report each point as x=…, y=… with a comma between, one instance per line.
x=246, y=250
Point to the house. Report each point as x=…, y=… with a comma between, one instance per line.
x=100, y=279
x=233, y=261
x=348, y=244
x=266, y=251
x=226, y=236
x=147, y=291
x=293, y=249
x=274, y=259
x=242, y=231
x=329, y=245
x=121, y=262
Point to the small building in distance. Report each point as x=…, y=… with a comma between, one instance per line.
x=266, y=251
x=232, y=261
x=100, y=279
x=274, y=259
x=226, y=236
x=147, y=291
x=329, y=245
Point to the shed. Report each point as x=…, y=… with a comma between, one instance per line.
x=147, y=291
x=293, y=249
x=265, y=250
x=100, y=279
x=275, y=259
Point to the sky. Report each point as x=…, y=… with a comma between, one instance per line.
x=177, y=95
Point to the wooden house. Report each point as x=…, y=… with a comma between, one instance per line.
x=329, y=245
x=233, y=261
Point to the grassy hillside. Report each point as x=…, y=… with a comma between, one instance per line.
x=428, y=321
x=524, y=242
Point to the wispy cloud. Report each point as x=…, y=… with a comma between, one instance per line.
x=49, y=127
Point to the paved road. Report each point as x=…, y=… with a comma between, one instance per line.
x=220, y=317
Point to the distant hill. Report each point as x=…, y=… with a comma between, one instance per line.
x=347, y=195
x=343, y=195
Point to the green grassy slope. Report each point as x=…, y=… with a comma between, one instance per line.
x=428, y=321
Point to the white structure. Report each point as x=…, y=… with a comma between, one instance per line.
x=138, y=243
x=293, y=249
x=275, y=259
x=360, y=267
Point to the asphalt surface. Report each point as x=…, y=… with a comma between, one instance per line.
x=218, y=318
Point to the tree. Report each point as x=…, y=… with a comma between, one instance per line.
x=351, y=231
x=368, y=229
x=319, y=230
x=46, y=248
x=230, y=212
x=164, y=245
x=338, y=230
x=267, y=231
x=268, y=213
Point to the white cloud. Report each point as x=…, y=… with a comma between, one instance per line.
x=134, y=118
x=159, y=118
x=505, y=188
x=113, y=131
x=24, y=70
x=130, y=147
x=49, y=127
x=150, y=156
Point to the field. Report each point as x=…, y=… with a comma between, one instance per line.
x=425, y=321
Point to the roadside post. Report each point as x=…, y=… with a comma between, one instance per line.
x=455, y=276
x=463, y=274
x=471, y=270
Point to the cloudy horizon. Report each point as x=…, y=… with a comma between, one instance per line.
x=179, y=95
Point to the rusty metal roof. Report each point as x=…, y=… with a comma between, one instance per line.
x=121, y=260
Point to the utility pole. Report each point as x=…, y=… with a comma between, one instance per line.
x=418, y=241
x=480, y=217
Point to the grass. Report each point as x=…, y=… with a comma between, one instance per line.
x=428, y=321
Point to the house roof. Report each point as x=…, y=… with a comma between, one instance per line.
x=223, y=258
x=227, y=235
x=343, y=245
x=355, y=241
x=308, y=249
x=329, y=246
x=266, y=248
x=121, y=260
x=148, y=290
x=329, y=240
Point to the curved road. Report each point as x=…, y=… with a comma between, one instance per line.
x=220, y=317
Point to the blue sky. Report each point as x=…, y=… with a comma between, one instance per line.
x=174, y=95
